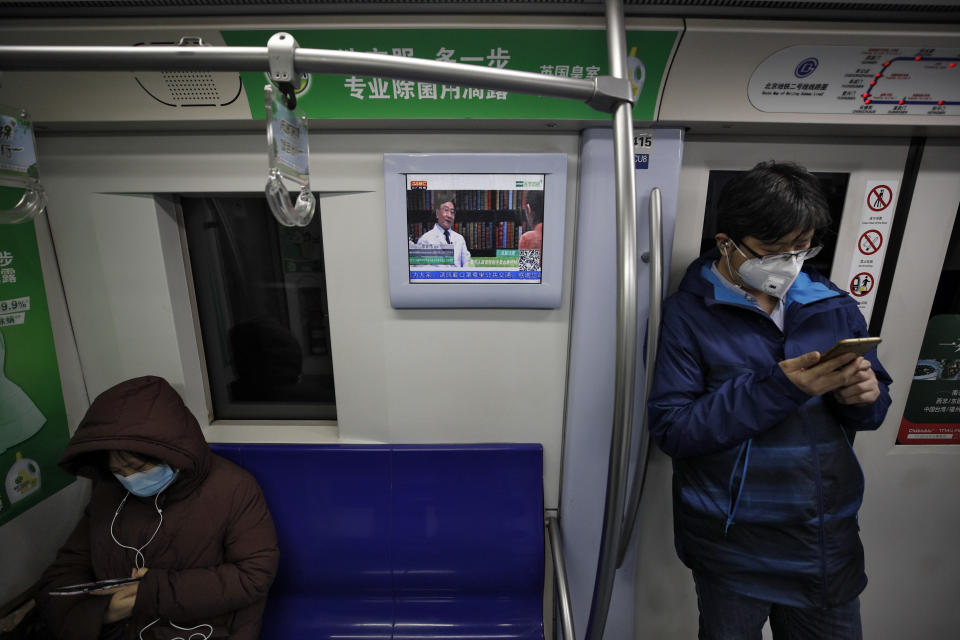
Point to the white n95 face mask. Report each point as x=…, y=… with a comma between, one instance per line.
x=19, y=416
x=772, y=274
x=772, y=278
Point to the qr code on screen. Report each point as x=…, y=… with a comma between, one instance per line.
x=529, y=260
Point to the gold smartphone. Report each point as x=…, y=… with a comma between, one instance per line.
x=858, y=346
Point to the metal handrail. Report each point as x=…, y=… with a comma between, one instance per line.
x=560, y=578
x=600, y=93
x=626, y=343
x=653, y=339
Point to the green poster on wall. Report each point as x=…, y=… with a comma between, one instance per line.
x=33, y=420
x=572, y=53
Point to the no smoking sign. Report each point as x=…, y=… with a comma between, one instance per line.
x=870, y=242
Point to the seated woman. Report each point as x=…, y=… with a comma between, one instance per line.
x=191, y=525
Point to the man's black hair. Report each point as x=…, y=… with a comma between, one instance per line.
x=770, y=201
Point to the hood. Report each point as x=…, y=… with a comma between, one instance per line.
x=143, y=415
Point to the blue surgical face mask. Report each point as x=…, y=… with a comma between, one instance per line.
x=149, y=482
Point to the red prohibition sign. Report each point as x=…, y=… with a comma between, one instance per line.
x=870, y=241
x=862, y=284
x=879, y=197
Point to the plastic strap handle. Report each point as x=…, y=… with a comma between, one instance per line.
x=31, y=203
x=289, y=214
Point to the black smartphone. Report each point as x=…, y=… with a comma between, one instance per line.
x=91, y=587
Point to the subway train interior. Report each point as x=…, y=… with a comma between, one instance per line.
x=230, y=195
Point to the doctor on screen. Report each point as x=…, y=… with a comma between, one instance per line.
x=443, y=233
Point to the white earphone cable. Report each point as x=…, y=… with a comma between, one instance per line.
x=198, y=635
x=139, y=560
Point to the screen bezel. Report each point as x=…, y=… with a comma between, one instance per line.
x=543, y=295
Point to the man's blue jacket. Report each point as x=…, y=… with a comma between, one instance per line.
x=766, y=485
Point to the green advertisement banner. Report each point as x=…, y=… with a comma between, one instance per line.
x=33, y=420
x=10, y=196
x=932, y=414
x=569, y=53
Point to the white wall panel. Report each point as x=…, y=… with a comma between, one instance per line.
x=455, y=375
x=113, y=271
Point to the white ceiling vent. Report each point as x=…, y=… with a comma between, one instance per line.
x=189, y=88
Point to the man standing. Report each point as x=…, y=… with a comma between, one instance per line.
x=766, y=483
x=442, y=232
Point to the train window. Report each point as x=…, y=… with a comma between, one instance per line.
x=947, y=298
x=261, y=298
x=834, y=186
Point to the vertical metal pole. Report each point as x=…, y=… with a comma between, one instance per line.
x=626, y=349
x=632, y=507
x=560, y=578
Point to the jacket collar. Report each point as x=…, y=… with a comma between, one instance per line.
x=702, y=282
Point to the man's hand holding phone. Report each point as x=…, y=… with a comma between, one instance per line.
x=841, y=371
x=815, y=377
x=862, y=389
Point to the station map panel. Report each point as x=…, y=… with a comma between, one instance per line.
x=871, y=80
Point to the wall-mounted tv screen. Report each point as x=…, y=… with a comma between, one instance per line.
x=475, y=230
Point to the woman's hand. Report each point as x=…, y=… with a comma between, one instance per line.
x=122, y=599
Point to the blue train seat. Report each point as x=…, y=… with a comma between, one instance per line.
x=402, y=541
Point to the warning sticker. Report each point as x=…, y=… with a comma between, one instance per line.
x=870, y=242
x=876, y=216
x=862, y=284
x=879, y=197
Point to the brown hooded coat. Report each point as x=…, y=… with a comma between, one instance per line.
x=214, y=555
